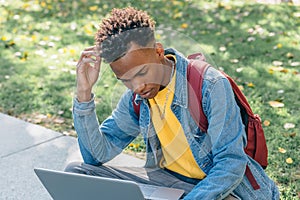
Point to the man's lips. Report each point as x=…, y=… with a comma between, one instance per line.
x=146, y=94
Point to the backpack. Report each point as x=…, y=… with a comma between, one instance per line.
x=256, y=143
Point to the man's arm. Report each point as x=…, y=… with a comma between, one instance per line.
x=226, y=132
x=100, y=143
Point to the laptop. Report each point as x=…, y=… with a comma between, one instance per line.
x=65, y=186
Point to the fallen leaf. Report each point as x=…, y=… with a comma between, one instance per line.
x=59, y=120
x=276, y=104
x=289, y=55
x=279, y=45
x=93, y=8
x=251, y=39
x=239, y=69
x=4, y=38
x=60, y=112
x=278, y=69
x=293, y=134
x=234, y=60
x=177, y=15
x=184, y=25
x=297, y=175
x=250, y=85
x=280, y=91
x=295, y=64
x=241, y=87
x=281, y=150
x=289, y=125
x=277, y=63
x=222, y=48
x=289, y=161
x=267, y=123
x=296, y=14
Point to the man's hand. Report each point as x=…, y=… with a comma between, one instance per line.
x=88, y=68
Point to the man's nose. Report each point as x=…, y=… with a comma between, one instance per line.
x=138, y=85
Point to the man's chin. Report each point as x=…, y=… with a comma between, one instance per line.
x=149, y=95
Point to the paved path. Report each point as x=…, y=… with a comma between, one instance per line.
x=24, y=146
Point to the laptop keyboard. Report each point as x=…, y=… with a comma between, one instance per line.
x=147, y=190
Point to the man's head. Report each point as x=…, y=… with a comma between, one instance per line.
x=126, y=41
x=121, y=29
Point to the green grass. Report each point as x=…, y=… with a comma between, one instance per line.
x=40, y=42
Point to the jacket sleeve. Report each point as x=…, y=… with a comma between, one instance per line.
x=227, y=136
x=101, y=143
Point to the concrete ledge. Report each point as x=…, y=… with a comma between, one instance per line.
x=24, y=146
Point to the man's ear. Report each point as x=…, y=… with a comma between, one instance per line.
x=159, y=50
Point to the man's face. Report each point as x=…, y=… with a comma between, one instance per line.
x=141, y=70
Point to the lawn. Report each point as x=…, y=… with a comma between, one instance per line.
x=257, y=44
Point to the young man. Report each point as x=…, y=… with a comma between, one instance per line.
x=206, y=165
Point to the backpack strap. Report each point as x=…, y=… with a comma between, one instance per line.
x=195, y=74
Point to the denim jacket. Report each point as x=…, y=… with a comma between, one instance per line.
x=219, y=152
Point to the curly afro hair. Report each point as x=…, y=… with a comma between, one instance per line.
x=120, y=29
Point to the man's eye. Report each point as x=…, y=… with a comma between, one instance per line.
x=124, y=80
x=143, y=72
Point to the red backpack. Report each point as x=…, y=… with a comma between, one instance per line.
x=256, y=143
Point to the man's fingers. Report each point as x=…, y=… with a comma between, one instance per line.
x=91, y=48
x=88, y=61
x=97, y=63
x=90, y=58
x=87, y=53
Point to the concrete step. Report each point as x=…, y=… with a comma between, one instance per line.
x=24, y=146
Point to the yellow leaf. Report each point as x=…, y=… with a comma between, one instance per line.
x=228, y=7
x=271, y=71
x=26, y=5
x=279, y=45
x=3, y=38
x=131, y=145
x=281, y=150
x=289, y=161
x=43, y=4
x=72, y=52
x=158, y=36
x=177, y=15
x=184, y=25
x=33, y=37
x=276, y=104
x=241, y=87
x=93, y=8
x=250, y=85
x=267, y=123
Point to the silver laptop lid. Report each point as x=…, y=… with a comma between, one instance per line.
x=66, y=186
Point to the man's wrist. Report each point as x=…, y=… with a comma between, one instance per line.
x=84, y=96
